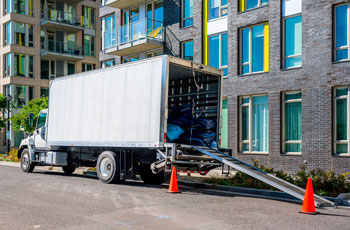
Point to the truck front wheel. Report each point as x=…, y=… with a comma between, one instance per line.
x=26, y=165
x=149, y=177
x=108, y=168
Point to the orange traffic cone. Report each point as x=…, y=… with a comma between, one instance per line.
x=309, y=202
x=173, y=187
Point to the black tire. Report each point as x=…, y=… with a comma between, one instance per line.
x=26, y=165
x=108, y=168
x=148, y=177
x=69, y=169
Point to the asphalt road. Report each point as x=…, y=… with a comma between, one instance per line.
x=50, y=200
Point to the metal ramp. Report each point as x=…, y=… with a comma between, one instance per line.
x=258, y=174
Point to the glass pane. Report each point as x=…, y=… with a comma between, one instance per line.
x=245, y=123
x=292, y=96
x=214, y=49
x=342, y=92
x=292, y=122
x=292, y=148
x=245, y=69
x=225, y=71
x=245, y=147
x=188, y=51
x=252, y=4
x=264, y=2
x=341, y=26
x=293, y=62
x=158, y=11
x=258, y=48
x=342, y=148
x=260, y=124
x=245, y=45
x=293, y=36
x=188, y=8
x=44, y=65
x=342, y=54
x=224, y=127
x=341, y=116
x=224, y=11
x=214, y=9
x=245, y=100
x=188, y=22
x=224, y=2
x=224, y=49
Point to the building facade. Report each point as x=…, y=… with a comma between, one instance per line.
x=42, y=40
x=286, y=66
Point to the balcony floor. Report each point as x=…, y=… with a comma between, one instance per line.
x=134, y=47
x=61, y=26
x=123, y=4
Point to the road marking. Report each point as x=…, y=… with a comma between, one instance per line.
x=121, y=223
x=163, y=217
x=36, y=226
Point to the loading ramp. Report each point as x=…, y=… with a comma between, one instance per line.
x=265, y=177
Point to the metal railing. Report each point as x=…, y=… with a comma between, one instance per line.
x=62, y=17
x=69, y=48
x=132, y=32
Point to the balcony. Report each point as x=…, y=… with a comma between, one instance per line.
x=55, y=19
x=62, y=50
x=140, y=36
x=122, y=4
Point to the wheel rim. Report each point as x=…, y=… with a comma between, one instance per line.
x=106, y=167
x=25, y=161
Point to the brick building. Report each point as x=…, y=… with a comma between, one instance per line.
x=286, y=101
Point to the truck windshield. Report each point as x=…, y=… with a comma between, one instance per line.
x=41, y=120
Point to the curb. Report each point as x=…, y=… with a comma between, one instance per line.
x=11, y=164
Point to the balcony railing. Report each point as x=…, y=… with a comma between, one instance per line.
x=62, y=48
x=144, y=29
x=62, y=17
x=121, y=4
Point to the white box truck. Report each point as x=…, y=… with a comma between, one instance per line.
x=136, y=118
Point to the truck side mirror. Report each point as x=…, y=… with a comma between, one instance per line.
x=31, y=118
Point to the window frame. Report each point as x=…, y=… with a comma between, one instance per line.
x=284, y=57
x=335, y=141
x=284, y=125
x=183, y=19
x=220, y=51
x=250, y=63
x=250, y=128
x=221, y=7
x=183, y=49
x=259, y=5
x=335, y=33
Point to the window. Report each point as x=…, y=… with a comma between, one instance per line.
x=21, y=94
x=89, y=17
x=218, y=48
x=254, y=124
x=342, y=41
x=187, y=50
x=251, y=4
x=47, y=69
x=44, y=92
x=19, y=34
x=341, y=117
x=217, y=8
x=109, y=31
x=18, y=65
x=71, y=68
x=187, y=13
x=254, y=49
x=224, y=127
x=41, y=120
x=89, y=45
x=87, y=67
x=108, y=63
x=155, y=15
x=292, y=33
x=130, y=59
x=24, y=7
x=154, y=54
x=291, y=122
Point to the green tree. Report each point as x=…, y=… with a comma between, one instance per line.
x=22, y=117
x=3, y=111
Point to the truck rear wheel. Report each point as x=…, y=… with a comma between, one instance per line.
x=149, y=177
x=107, y=168
x=69, y=169
x=26, y=165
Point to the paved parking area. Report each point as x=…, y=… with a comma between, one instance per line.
x=50, y=200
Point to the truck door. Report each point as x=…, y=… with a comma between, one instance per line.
x=39, y=133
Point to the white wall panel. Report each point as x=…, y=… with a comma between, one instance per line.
x=291, y=7
x=217, y=26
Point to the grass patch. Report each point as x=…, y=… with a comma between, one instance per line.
x=325, y=182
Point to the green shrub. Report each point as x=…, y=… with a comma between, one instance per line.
x=325, y=182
